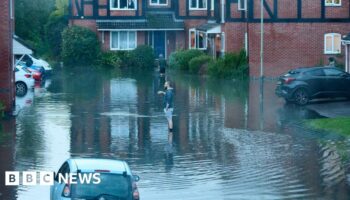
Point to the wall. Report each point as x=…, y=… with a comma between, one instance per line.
x=6, y=71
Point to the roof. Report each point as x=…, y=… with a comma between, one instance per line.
x=92, y=164
x=207, y=26
x=19, y=48
x=153, y=21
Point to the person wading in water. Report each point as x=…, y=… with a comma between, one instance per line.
x=168, y=104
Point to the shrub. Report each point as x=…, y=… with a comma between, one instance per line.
x=79, y=46
x=173, y=59
x=53, y=32
x=232, y=65
x=142, y=57
x=180, y=59
x=197, y=63
x=110, y=59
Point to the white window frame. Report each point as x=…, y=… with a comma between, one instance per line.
x=158, y=3
x=205, y=40
x=325, y=43
x=212, y=5
x=128, y=40
x=196, y=39
x=332, y=3
x=197, y=8
x=245, y=5
x=113, y=8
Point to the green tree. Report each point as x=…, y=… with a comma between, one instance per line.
x=79, y=46
x=31, y=17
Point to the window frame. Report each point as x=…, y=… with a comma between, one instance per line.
x=332, y=4
x=119, y=43
x=333, y=47
x=113, y=8
x=196, y=39
x=190, y=31
x=158, y=3
x=197, y=6
x=239, y=5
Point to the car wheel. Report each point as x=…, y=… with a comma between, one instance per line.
x=301, y=97
x=21, y=89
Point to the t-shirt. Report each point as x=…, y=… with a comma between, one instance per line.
x=169, y=98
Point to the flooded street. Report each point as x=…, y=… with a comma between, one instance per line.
x=231, y=140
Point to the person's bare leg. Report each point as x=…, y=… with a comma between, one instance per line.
x=170, y=138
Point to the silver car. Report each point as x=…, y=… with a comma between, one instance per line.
x=103, y=179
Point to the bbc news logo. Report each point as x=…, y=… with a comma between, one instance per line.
x=31, y=178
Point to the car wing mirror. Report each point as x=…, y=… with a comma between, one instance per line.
x=136, y=178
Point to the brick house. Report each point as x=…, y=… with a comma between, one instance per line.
x=297, y=33
x=6, y=60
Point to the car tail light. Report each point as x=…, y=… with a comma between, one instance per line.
x=66, y=191
x=135, y=192
x=288, y=80
x=27, y=75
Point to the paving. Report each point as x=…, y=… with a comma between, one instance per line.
x=331, y=109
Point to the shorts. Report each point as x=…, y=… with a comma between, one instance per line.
x=169, y=113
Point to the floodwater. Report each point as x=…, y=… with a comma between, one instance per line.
x=232, y=140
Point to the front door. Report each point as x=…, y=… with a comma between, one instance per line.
x=159, y=43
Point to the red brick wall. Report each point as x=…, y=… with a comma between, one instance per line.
x=290, y=45
x=180, y=40
x=91, y=24
x=182, y=7
x=6, y=70
x=287, y=9
x=311, y=9
x=338, y=11
x=234, y=33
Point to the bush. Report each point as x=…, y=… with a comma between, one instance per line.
x=110, y=59
x=142, y=57
x=180, y=59
x=232, y=65
x=197, y=63
x=79, y=46
x=53, y=32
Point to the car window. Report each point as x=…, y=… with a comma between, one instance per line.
x=26, y=70
x=316, y=72
x=63, y=170
x=115, y=185
x=333, y=72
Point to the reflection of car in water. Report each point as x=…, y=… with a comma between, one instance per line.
x=293, y=113
x=23, y=80
x=116, y=181
x=304, y=84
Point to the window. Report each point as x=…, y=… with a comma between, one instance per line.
x=123, y=40
x=159, y=2
x=242, y=4
x=333, y=2
x=212, y=5
x=333, y=72
x=198, y=39
x=317, y=72
x=332, y=43
x=123, y=4
x=198, y=4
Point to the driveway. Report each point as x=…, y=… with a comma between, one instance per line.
x=331, y=109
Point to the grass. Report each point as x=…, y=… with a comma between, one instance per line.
x=339, y=125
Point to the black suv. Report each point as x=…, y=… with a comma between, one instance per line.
x=303, y=84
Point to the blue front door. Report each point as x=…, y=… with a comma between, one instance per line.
x=159, y=43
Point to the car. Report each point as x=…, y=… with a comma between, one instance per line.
x=37, y=75
x=23, y=80
x=31, y=60
x=304, y=84
x=116, y=181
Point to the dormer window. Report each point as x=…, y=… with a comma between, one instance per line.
x=159, y=2
x=123, y=4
